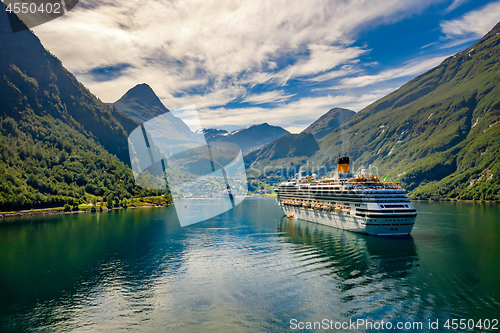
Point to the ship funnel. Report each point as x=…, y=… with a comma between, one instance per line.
x=302, y=172
x=343, y=165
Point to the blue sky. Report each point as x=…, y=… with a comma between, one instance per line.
x=245, y=62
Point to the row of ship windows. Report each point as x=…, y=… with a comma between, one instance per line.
x=383, y=196
x=394, y=206
x=387, y=224
x=321, y=190
x=358, y=205
x=347, y=194
x=334, y=195
x=382, y=206
x=295, y=186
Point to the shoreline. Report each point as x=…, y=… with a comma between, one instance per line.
x=457, y=201
x=6, y=216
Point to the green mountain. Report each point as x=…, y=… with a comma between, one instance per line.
x=291, y=149
x=249, y=138
x=329, y=122
x=141, y=103
x=439, y=134
x=59, y=143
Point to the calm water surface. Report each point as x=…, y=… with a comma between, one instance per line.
x=247, y=270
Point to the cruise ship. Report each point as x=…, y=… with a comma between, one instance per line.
x=361, y=203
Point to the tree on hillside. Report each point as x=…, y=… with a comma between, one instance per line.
x=109, y=201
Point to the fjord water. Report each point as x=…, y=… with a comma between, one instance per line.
x=247, y=270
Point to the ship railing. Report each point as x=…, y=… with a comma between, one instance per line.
x=318, y=205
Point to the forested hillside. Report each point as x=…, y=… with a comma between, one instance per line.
x=59, y=143
x=289, y=150
x=328, y=122
x=439, y=134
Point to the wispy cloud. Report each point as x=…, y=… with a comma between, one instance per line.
x=454, y=5
x=196, y=48
x=412, y=68
x=343, y=71
x=268, y=97
x=294, y=116
x=214, y=52
x=322, y=58
x=472, y=25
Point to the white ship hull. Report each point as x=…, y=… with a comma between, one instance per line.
x=396, y=226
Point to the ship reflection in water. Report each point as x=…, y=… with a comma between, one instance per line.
x=348, y=255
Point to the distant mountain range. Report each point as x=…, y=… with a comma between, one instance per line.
x=142, y=104
x=287, y=147
x=329, y=122
x=439, y=134
x=294, y=149
x=249, y=138
x=211, y=132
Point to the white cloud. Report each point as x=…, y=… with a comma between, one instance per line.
x=455, y=4
x=194, y=50
x=344, y=71
x=472, y=25
x=322, y=58
x=412, y=68
x=268, y=97
x=294, y=116
x=212, y=52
